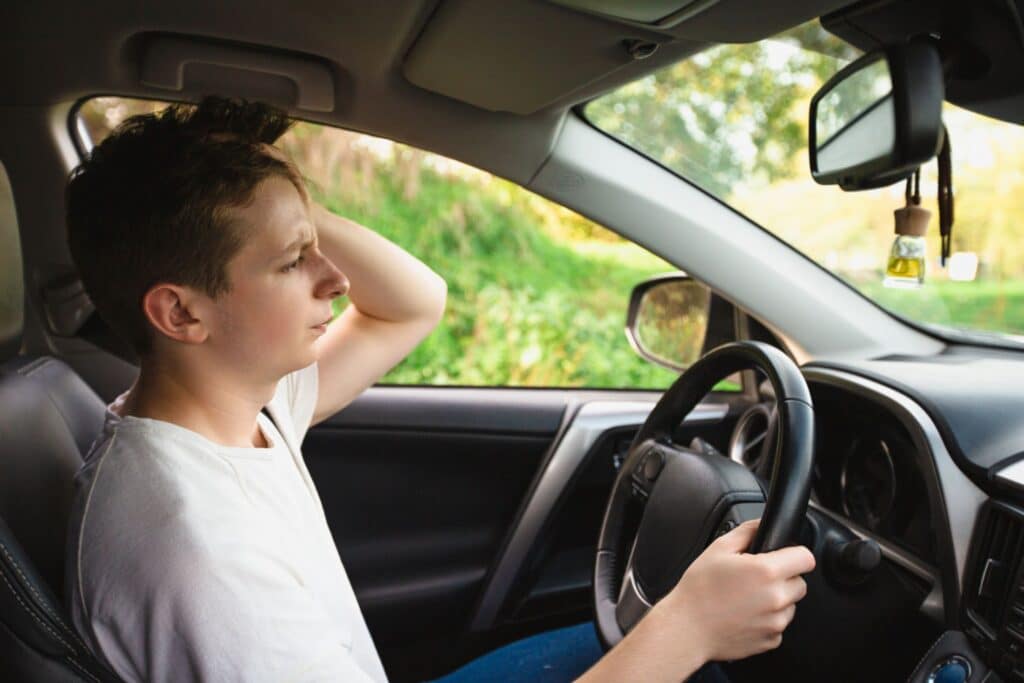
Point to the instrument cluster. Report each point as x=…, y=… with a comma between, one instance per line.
x=866, y=469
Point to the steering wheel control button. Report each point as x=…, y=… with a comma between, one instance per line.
x=653, y=462
x=646, y=472
x=955, y=669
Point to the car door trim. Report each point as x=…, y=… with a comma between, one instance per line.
x=591, y=421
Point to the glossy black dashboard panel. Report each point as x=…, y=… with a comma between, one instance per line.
x=867, y=471
x=975, y=397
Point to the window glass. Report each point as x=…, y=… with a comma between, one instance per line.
x=537, y=293
x=733, y=120
x=12, y=291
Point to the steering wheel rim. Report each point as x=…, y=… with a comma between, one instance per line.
x=784, y=506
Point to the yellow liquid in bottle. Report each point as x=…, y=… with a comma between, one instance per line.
x=910, y=268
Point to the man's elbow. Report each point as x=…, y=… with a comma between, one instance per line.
x=438, y=301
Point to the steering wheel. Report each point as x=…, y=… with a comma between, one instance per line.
x=684, y=499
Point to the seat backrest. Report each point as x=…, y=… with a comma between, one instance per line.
x=48, y=418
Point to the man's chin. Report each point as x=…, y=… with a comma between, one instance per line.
x=298, y=361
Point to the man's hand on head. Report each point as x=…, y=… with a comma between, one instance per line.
x=277, y=153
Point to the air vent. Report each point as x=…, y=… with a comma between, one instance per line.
x=997, y=562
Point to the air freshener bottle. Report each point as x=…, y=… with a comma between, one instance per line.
x=906, y=266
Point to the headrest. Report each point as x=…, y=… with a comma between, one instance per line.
x=12, y=282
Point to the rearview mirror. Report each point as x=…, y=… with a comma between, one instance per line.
x=878, y=119
x=667, y=320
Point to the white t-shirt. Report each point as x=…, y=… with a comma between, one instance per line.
x=189, y=561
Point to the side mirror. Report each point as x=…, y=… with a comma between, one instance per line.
x=667, y=322
x=878, y=119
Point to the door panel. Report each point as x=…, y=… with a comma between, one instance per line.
x=418, y=517
x=466, y=517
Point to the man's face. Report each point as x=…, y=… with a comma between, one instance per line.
x=281, y=287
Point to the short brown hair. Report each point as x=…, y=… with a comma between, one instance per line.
x=150, y=203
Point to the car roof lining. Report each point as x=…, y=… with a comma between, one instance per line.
x=981, y=45
x=464, y=109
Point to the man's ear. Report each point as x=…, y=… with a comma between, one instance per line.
x=172, y=310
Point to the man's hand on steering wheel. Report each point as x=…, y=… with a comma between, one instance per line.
x=728, y=605
x=670, y=578
x=742, y=602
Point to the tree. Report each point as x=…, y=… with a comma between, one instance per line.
x=731, y=114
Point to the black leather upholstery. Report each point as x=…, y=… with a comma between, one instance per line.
x=48, y=418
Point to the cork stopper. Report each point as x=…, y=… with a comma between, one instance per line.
x=912, y=220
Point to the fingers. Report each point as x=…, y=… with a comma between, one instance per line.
x=787, y=615
x=787, y=562
x=739, y=539
x=795, y=589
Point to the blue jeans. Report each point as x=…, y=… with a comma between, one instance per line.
x=557, y=656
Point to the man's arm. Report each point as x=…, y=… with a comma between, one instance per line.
x=396, y=302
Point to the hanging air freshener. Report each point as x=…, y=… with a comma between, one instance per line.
x=906, y=267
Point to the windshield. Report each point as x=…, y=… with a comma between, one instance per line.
x=733, y=120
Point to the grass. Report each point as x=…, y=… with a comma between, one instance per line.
x=990, y=306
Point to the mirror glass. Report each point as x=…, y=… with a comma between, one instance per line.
x=672, y=321
x=855, y=121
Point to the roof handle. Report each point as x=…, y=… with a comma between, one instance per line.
x=166, y=58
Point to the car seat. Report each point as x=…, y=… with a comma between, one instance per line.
x=48, y=418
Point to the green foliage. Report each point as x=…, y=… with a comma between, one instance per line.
x=987, y=306
x=524, y=308
x=727, y=115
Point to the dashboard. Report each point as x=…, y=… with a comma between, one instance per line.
x=868, y=471
x=924, y=455
x=910, y=455
x=867, y=468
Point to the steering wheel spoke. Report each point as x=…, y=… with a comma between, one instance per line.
x=632, y=605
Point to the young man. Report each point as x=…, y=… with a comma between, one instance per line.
x=198, y=548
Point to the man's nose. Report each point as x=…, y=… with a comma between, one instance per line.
x=332, y=282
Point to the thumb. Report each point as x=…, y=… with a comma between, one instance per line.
x=739, y=539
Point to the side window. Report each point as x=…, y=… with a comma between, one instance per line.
x=12, y=290
x=537, y=293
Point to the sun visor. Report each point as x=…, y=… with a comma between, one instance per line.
x=520, y=57
x=652, y=12
x=516, y=56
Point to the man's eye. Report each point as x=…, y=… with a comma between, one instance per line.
x=294, y=264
